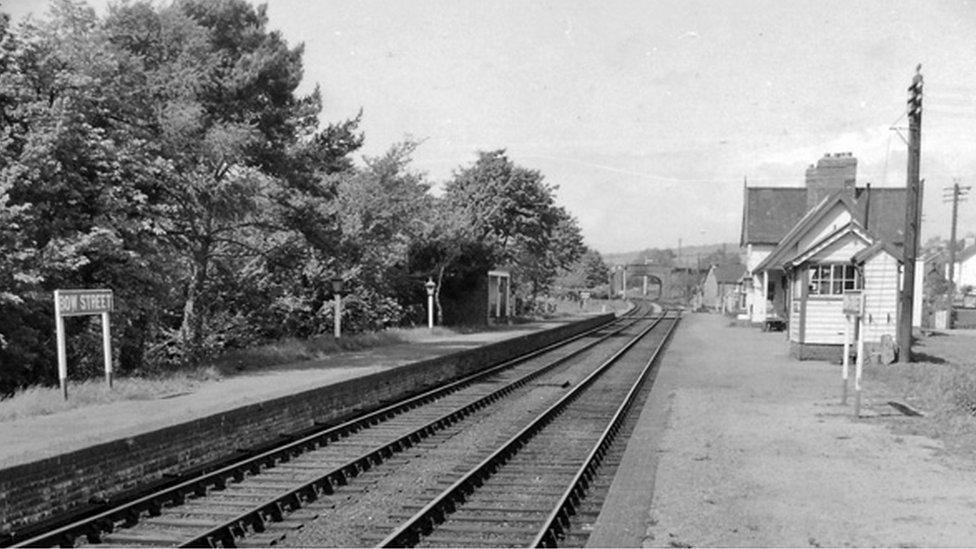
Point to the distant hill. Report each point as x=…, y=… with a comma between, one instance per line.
x=689, y=255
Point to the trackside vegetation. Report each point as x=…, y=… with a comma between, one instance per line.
x=163, y=150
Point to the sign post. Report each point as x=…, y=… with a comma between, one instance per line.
x=81, y=303
x=853, y=308
x=847, y=359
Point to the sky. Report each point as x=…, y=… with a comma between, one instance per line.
x=649, y=115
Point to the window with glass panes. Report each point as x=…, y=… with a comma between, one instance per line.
x=833, y=279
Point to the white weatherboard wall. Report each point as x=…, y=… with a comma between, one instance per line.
x=919, y=294
x=825, y=321
x=881, y=297
x=755, y=299
x=965, y=272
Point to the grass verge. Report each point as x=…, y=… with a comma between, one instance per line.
x=942, y=385
x=41, y=400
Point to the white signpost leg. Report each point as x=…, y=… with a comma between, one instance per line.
x=62, y=357
x=107, y=349
x=62, y=352
x=847, y=359
x=858, y=368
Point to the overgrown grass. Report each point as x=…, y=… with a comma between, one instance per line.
x=289, y=350
x=943, y=387
x=40, y=400
x=44, y=400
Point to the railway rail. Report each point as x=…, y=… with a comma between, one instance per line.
x=527, y=491
x=249, y=497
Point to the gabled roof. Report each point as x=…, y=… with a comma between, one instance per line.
x=851, y=228
x=768, y=213
x=728, y=274
x=782, y=251
x=876, y=248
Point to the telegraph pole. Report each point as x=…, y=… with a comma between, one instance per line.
x=911, y=217
x=958, y=195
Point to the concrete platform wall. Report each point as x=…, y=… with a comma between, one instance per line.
x=32, y=492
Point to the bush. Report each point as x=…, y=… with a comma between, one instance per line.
x=362, y=311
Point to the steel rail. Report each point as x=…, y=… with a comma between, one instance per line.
x=272, y=510
x=129, y=513
x=557, y=523
x=434, y=512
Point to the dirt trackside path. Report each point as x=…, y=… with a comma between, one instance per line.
x=757, y=451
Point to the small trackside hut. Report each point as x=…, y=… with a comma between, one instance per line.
x=478, y=298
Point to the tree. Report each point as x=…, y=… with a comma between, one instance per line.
x=511, y=210
x=225, y=124
x=542, y=259
x=71, y=177
x=721, y=257
x=505, y=205
x=595, y=270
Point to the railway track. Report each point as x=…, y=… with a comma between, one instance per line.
x=259, y=497
x=528, y=490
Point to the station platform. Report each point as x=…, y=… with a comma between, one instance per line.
x=34, y=438
x=739, y=445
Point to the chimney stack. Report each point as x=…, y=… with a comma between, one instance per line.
x=832, y=172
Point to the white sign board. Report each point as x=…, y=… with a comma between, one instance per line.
x=854, y=303
x=79, y=303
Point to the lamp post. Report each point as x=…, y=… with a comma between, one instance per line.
x=430, y=302
x=337, y=311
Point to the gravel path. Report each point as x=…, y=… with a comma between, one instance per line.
x=752, y=448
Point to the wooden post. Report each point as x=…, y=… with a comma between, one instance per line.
x=912, y=206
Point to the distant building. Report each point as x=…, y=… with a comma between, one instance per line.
x=722, y=289
x=965, y=267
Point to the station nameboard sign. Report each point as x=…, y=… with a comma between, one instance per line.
x=84, y=302
x=78, y=303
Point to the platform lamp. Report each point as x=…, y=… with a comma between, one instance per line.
x=430, y=302
x=337, y=310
